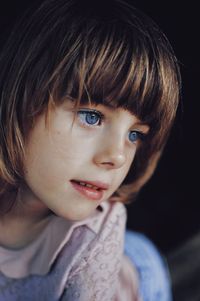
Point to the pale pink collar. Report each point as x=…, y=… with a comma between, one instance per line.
x=38, y=256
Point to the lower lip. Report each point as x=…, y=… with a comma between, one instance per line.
x=90, y=193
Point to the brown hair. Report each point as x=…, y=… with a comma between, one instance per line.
x=97, y=51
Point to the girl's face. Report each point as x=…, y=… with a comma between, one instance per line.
x=96, y=148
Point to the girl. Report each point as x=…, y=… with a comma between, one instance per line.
x=89, y=92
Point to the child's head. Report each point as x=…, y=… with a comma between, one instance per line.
x=91, y=52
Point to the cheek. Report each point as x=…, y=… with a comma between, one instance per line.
x=129, y=164
x=69, y=149
x=52, y=158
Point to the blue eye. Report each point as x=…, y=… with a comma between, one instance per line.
x=135, y=136
x=90, y=117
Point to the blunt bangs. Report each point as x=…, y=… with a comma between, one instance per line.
x=123, y=64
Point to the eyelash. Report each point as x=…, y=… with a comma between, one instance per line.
x=139, y=135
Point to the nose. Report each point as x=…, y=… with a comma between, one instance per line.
x=111, y=153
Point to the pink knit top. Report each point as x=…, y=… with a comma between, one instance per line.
x=74, y=261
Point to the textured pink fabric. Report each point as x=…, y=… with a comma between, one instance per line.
x=80, y=261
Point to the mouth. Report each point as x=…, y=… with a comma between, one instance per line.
x=91, y=190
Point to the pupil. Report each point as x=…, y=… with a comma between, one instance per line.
x=91, y=118
x=133, y=136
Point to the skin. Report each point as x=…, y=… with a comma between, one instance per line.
x=71, y=149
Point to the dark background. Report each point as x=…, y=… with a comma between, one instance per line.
x=167, y=209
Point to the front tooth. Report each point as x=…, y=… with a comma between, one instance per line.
x=89, y=185
x=82, y=183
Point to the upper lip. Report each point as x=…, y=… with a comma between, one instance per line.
x=99, y=184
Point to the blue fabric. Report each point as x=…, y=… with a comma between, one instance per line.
x=154, y=278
